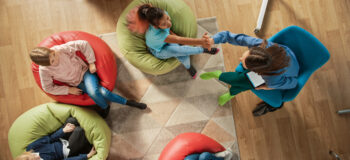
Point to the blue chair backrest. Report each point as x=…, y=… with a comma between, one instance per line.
x=310, y=52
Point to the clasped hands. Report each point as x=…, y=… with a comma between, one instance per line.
x=207, y=41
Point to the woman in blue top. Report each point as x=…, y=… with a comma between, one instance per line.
x=164, y=44
x=276, y=63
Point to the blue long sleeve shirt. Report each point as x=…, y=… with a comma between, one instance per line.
x=51, y=148
x=286, y=80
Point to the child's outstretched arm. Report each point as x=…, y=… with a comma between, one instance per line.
x=173, y=38
x=236, y=39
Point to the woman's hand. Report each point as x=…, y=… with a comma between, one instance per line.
x=211, y=41
x=92, y=152
x=92, y=67
x=69, y=128
x=263, y=87
x=74, y=91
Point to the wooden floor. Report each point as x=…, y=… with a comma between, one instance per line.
x=305, y=129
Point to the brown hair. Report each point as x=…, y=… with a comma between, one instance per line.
x=266, y=61
x=25, y=156
x=41, y=56
x=151, y=14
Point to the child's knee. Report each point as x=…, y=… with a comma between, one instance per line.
x=104, y=91
x=92, y=91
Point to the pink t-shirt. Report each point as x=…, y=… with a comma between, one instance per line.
x=70, y=69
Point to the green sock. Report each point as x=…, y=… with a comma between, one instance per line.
x=224, y=98
x=209, y=75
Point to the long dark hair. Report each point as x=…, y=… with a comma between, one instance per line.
x=266, y=61
x=151, y=14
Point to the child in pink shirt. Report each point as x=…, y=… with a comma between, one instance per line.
x=62, y=64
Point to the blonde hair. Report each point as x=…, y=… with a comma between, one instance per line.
x=40, y=56
x=25, y=156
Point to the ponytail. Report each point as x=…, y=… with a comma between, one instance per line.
x=151, y=14
x=267, y=61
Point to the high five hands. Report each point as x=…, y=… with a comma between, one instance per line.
x=207, y=41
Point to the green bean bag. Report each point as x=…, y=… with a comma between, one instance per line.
x=133, y=45
x=47, y=118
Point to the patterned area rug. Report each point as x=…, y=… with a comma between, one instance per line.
x=177, y=104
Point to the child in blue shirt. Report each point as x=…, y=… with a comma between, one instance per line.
x=164, y=44
x=276, y=63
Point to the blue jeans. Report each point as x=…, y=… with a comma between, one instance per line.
x=99, y=94
x=203, y=156
x=182, y=53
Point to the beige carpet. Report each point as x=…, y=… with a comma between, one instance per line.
x=177, y=104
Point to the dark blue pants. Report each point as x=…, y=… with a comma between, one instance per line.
x=203, y=156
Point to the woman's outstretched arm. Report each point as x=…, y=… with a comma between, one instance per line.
x=236, y=39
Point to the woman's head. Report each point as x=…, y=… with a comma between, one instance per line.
x=44, y=56
x=155, y=16
x=265, y=61
x=28, y=156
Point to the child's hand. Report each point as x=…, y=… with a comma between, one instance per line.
x=205, y=43
x=92, y=152
x=74, y=91
x=92, y=67
x=210, y=41
x=68, y=128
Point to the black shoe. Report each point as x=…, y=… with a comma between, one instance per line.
x=104, y=112
x=193, y=72
x=213, y=51
x=263, y=108
x=138, y=105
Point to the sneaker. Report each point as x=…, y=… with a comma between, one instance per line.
x=102, y=112
x=263, y=108
x=213, y=51
x=227, y=154
x=105, y=112
x=138, y=105
x=193, y=72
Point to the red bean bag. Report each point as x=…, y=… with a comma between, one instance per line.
x=105, y=63
x=189, y=143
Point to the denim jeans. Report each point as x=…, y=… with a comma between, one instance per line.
x=99, y=94
x=203, y=156
x=182, y=53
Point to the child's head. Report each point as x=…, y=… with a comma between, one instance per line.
x=155, y=16
x=265, y=61
x=28, y=156
x=44, y=56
